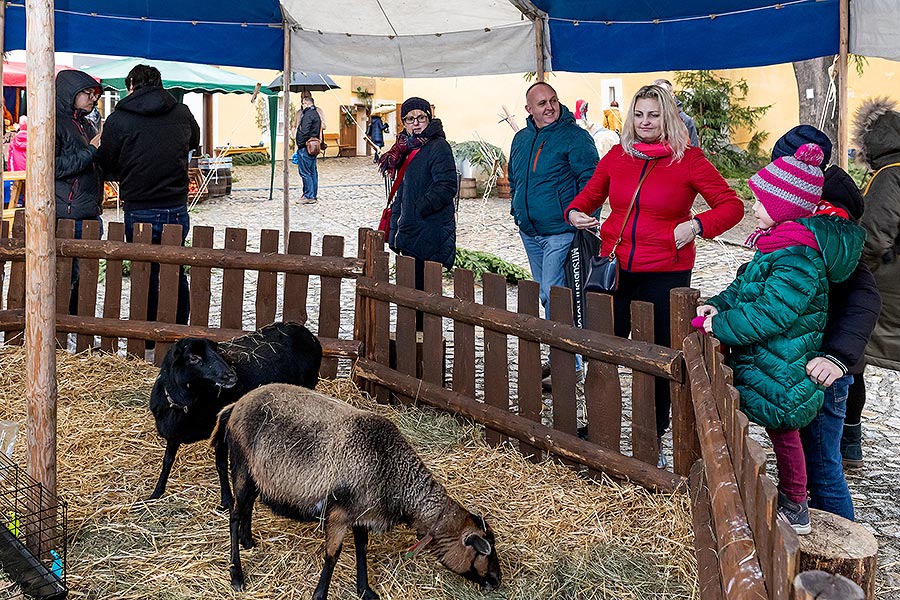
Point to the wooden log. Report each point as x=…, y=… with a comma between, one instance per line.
x=112, y=297
x=705, y=548
x=140, y=285
x=433, y=344
x=207, y=257
x=650, y=358
x=562, y=366
x=685, y=444
x=65, y=229
x=296, y=285
x=463, y=336
x=267, y=283
x=330, y=302
x=529, y=375
x=496, y=355
x=201, y=278
x=785, y=558
x=643, y=391
x=167, y=311
x=602, y=388
x=841, y=547
x=819, y=585
x=89, y=270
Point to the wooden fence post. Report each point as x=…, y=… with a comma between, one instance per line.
x=643, y=391
x=602, y=388
x=529, y=371
x=685, y=444
x=496, y=355
x=562, y=366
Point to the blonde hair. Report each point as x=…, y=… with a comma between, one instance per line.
x=674, y=133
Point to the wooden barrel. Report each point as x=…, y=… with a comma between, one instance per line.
x=467, y=188
x=503, y=187
x=218, y=173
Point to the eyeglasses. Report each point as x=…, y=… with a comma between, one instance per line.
x=412, y=120
x=92, y=93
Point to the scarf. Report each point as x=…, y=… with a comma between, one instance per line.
x=391, y=160
x=827, y=208
x=782, y=235
x=650, y=151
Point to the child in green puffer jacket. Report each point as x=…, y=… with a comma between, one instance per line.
x=773, y=315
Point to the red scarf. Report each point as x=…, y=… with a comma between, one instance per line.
x=782, y=235
x=651, y=151
x=827, y=208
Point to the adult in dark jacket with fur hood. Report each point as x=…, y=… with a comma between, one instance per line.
x=423, y=221
x=78, y=181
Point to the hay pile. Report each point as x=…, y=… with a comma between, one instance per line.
x=557, y=535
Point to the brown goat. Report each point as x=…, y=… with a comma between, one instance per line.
x=310, y=457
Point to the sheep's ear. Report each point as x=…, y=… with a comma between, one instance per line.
x=479, y=543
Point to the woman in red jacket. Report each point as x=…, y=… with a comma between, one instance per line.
x=656, y=252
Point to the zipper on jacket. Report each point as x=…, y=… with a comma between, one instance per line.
x=541, y=147
x=528, y=177
x=637, y=208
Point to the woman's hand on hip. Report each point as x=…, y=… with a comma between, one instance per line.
x=581, y=220
x=684, y=235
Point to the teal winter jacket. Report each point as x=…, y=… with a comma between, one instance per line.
x=547, y=168
x=773, y=316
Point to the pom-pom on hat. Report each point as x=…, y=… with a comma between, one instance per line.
x=790, y=187
x=414, y=103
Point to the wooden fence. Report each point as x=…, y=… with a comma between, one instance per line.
x=743, y=550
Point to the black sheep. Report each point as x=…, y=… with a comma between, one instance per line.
x=199, y=377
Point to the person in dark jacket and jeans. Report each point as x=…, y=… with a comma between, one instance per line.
x=310, y=127
x=423, y=219
x=145, y=146
x=78, y=180
x=853, y=307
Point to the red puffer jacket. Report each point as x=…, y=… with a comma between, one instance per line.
x=665, y=200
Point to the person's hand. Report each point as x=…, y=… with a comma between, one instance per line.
x=582, y=221
x=684, y=235
x=823, y=371
x=96, y=141
x=707, y=310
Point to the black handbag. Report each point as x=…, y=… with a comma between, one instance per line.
x=604, y=274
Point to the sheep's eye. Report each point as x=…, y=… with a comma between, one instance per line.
x=193, y=359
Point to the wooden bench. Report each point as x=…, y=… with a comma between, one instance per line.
x=332, y=140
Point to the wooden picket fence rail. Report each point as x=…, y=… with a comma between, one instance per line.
x=743, y=550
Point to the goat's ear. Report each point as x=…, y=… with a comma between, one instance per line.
x=479, y=543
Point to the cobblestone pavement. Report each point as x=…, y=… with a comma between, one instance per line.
x=351, y=195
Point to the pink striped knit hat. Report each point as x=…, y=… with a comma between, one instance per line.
x=790, y=187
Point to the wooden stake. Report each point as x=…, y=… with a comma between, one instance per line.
x=539, y=48
x=286, y=112
x=208, y=147
x=843, y=57
x=40, y=251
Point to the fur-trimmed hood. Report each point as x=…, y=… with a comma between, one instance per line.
x=876, y=132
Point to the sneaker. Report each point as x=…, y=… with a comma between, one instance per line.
x=547, y=382
x=310, y=200
x=851, y=447
x=795, y=513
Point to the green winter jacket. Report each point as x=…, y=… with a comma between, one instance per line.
x=547, y=168
x=773, y=316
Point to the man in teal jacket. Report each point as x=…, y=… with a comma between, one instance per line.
x=551, y=159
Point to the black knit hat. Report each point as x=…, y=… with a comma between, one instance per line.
x=414, y=103
x=799, y=135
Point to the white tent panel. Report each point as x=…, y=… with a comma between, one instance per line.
x=875, y=28
x=396, y=38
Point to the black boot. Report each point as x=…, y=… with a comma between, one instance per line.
x=851, y=446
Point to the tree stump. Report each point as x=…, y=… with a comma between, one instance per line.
x=841, y=547
x=819, y=585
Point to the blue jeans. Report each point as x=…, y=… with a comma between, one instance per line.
x=306, y=165
x=157, y=217
x=547, y=259
x=821, y=439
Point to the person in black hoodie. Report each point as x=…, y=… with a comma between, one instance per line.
x=853, y=307
x=423, y=218
x=145, y=146
x=310, y=127
x=78, y=181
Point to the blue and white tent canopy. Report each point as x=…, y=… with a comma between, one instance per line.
x=430, y=38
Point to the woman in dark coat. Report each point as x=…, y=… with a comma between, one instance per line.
x=423, y=222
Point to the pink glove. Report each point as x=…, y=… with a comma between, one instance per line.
x=698, y=323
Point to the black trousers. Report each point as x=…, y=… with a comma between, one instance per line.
x=856, y=400
x=651, y=287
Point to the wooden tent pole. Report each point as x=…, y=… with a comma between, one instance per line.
x=208, y=148
x=40, y=249
x=539, y=48
x=843, y=59
x=286, y=149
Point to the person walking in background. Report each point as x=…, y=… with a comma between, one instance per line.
x=310, y=127
x=603, y=138
x=550, y=161
x=145, y=146
x=876, y=136
x=79, y=184
x=375, y=132
x=651, y=180
x=853, y=307
x=612, y=118
x=423, y=218
x=685, y=118
x=773, y=315
x=18, y=147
